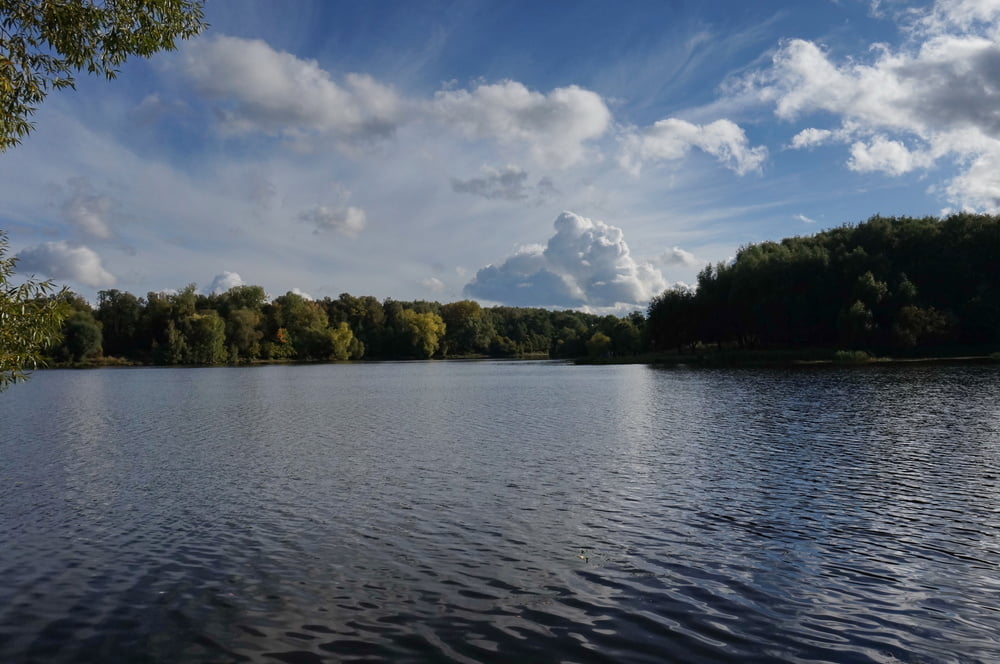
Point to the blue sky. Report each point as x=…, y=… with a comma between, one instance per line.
x=560, y=154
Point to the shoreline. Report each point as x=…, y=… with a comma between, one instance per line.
x=705, y=359
x=787, y=358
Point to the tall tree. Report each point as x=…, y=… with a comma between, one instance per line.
x=120, y=314
x=469, y=331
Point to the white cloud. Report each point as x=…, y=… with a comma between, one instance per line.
x=934, y=98
x=978, y=188
x=346, y=220
x=671, y=139
x=87, y=210
x=432, y=284
x=885, y=155
x=811, y=137
x=804, y=219
x=677, y=256
x=555, y=126
x=959, y=15
x=301, y=293
x=224, y=281
x=59, y=260
x=261, y=89
x=585, y=264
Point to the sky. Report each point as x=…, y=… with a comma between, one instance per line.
x=578, y=154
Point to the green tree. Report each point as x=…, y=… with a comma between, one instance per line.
x=119, y=314
x=306, y=322
x=625, y=337
x=82, y=337
x=469, y=331
x=279, y=347
x=205, y=338
x=364, y=315
x=44, y=42
x=173, y=350
x=672, y=321
x=29, y=322
x=247, y=297
x=599, y=345
x=343, y=344
x=914, y=326
x=423, y=330
x=243, y=334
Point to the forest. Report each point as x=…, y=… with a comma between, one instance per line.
x=892, y=286
x=242, y=326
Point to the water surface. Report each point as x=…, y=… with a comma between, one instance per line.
x=501, y=511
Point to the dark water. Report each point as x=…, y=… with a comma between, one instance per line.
x=503, y=512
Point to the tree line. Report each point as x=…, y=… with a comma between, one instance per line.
x=893, y=285
x=890, y=285
x=242, y=325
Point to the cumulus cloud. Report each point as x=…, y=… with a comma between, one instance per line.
x=585, y=264
x=261, y=89
x=888, y=156
x=59, y=260
x=671, y=139
x=508, y=183
x=556, y=126
x=934, y=98
x=346, y=220
x=224, y=281
x=677, y=256
x=978, y=187
x=88, y=210
x=811, y=137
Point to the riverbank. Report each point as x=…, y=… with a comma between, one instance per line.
x=700, y=358
x=790, y=357
x=111, y=362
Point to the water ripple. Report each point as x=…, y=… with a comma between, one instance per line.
x=474, y=512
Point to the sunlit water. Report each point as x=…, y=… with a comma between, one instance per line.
x=491, y=511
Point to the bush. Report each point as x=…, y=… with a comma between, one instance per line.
x=851, y=357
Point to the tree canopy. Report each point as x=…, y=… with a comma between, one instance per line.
x=29, y=322
x=240, y=326
x=44, y=42
x=891, y=284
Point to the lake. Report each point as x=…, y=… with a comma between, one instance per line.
x=501, y=511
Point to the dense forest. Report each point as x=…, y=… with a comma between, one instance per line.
x=894, y=286
x=241, y=326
